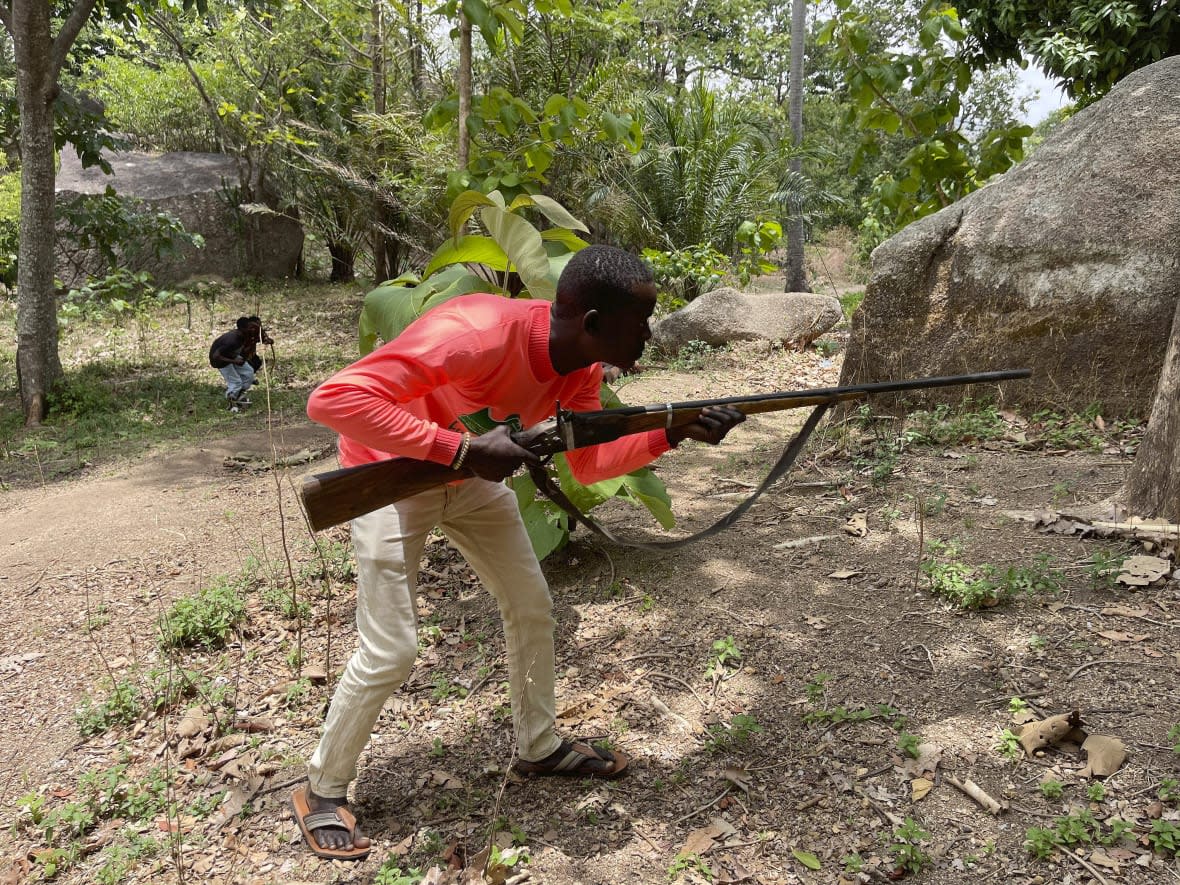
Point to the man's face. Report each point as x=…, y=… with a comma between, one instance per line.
x=622, y=333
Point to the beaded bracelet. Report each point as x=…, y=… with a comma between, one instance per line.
x=462, y=456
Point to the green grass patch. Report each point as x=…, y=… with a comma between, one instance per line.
x=983, y=586
x=849, y=302
x=114, y=402
x=204, y=620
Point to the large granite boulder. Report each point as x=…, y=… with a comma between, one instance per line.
x=1068, y=264
x=202, y=190
x=726, y=315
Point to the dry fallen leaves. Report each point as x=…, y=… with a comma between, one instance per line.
x=1104, y=755
x=704, y=839
x=857, y=524
x=919, y=788
x=1055, y=729
x=1139, y=571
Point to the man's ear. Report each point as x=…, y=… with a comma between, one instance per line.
x=591, y=322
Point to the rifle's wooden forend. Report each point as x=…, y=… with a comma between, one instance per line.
x=341, y=495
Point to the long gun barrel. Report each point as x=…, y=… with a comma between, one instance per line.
x=340, y=495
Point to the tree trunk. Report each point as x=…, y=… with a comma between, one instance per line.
x=343, y=263
x=796, y=276
x=377, y=57
x=464, y=87
x=417, y=61
x=1153, y=487
x=37, y=363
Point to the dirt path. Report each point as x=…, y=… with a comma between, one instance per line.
x=117, y=546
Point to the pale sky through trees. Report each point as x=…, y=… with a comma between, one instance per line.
x=1050, y=98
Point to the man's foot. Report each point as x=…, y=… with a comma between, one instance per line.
x=576, y=760
x=328, y=827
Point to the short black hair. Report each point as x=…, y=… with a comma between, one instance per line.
x=601, y=278
x=244, y=322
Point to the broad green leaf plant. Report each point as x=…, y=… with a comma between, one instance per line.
x=513, y=258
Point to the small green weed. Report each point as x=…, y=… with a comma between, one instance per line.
x=1096, y=792
x=908, y=744
x=392, y=874
x=1174, y=737
x=935, y=504
x=826, y=347
x=204, y=620
x=853, y=863
x=1052, y=789
x=1009, y=745
x=122, y=706
x=692, y=356
x=287, y=604
x=881, y=463
x=948, y=426
x=817, y=688
x=1068, y=431
x=725, y=654
x=295, y=694
x=907, y=846
x=1017, y=706
x=849, y=302
x=119, y=859
x=1164, y=837
x=739, y=731
x=1076, y=829
x=1105, y=566
x=689, y=862
x=1169, y=790
x=983, y=586
x=444, y=689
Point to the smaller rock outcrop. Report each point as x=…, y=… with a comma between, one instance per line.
x=202, y=190
x=726, y=315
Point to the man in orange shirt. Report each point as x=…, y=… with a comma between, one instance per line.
x=471, y=359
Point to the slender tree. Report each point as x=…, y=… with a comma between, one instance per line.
x=39, y=54
x=464, y=84
x=796, y=276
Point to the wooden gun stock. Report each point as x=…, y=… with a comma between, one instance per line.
x=342, y=495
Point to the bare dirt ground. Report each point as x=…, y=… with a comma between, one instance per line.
x=765, y=682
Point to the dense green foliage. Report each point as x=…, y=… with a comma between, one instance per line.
x=662, y=124
x=1086, y=46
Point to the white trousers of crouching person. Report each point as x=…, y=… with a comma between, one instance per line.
x=483, y=521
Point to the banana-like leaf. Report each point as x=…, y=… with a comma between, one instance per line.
x=389, y=309
x=557, y=213
x=464, y=207
x=566, y=238
x=464, y=250
x=546, y=530
x=525, y=249
x=646, y=488
x=583, y=497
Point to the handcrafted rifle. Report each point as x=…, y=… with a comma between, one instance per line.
x=340, y=495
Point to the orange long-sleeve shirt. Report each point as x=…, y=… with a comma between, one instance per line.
x=471, y=353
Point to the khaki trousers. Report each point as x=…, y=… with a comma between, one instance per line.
x=482, y=520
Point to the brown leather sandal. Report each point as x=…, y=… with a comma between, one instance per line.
x=310, y=821
x=576, y=760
